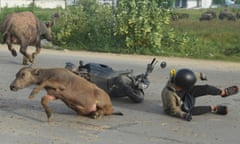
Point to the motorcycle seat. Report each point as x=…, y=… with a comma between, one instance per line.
x=119, y=73
x=101, y=70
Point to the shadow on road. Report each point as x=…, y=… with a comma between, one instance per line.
x=150, y=106
x=30, y=109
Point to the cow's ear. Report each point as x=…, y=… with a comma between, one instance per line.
x=52, y=23
x=36, y=71
x=49, y=23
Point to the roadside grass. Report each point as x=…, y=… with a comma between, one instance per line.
x=214, y=39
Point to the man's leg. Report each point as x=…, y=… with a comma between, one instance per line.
x=218, y=109
x=201, y=90
x=198, y=110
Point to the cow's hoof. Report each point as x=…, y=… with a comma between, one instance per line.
x=25, y=61
x=32, y=60
x=97, y=114
x=94, y=116
x=50, y=118
x=14, y=53
x=31, y=97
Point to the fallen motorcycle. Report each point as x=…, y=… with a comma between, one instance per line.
x=116, y=83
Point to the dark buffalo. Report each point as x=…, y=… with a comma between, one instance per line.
x=226, y=15
x=238, y=15
x=206, y=17
x=176, y=16
x=25, y=29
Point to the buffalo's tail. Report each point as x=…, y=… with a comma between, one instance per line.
x=6, y=32
x=117, y=113
x=4, y=37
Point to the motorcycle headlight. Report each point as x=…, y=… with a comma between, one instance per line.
x=142, y=86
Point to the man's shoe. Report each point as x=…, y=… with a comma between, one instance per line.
x=230, y=91
x=221, y=109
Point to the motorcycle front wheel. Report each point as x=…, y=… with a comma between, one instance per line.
x=135, y=95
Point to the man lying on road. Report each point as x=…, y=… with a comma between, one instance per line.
x=180, y=92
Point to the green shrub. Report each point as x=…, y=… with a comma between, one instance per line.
x=140, y=23
x=87, y=26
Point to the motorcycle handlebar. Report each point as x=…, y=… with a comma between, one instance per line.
x=150, y=66
x=154, y=59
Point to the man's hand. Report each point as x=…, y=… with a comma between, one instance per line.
x=203, y=76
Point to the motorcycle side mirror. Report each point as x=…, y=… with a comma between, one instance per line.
x=163, y=64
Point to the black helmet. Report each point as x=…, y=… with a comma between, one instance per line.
x=185, y=78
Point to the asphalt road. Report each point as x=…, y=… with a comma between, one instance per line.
x=23, y=121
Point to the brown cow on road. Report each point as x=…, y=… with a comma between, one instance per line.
x=25, y=29
x=77, y=93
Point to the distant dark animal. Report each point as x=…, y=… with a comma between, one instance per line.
x=206, y=17
x=76, y=92
x=222, y=15
x=176, y=16
x=25, y=29
x=183, y=15
x=214, y=15
x=231, y=17
x=226, y=15
x=237, y=15
x=56, y=15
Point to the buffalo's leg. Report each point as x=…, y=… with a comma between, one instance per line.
x=44, y=101
x=23, y=50
x=54, y=85
x=37, y=51
x=9, y=44
x=25, y=60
